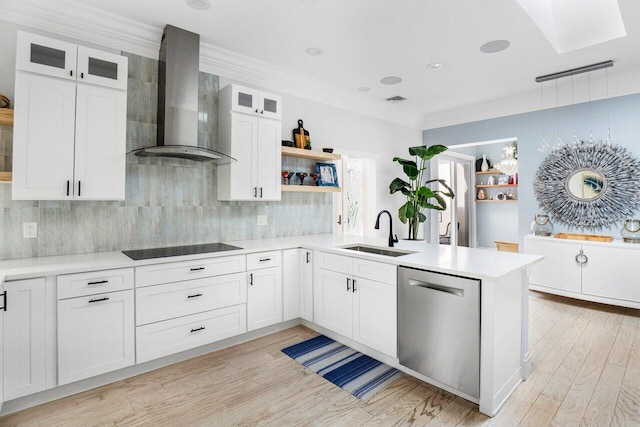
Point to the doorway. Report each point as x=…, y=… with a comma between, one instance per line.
x=455, y=225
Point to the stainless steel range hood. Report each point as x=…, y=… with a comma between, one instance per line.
x=178, y=100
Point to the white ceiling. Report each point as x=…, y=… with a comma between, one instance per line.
x=365, y=40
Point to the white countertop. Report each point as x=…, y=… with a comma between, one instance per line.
x=477, y=263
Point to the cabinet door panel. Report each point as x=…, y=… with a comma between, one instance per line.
x=306, y=284
x=333, y=302
x=270, y=106
x=100, y=143
x=42, y=55
x=244, y=99
x=24, y=338
x=241, y=175
x=43, y=138
x=269, y=159
x=290, y=284
x=611, y=272
x=559, y=268
x=264, y=298
x=374, y=315
x=95, y=335
x=102, y=68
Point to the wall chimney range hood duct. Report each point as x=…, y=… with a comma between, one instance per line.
x=178, y=69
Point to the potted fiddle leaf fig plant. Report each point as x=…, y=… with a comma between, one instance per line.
x=416, y=188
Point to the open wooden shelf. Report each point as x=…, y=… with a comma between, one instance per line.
x=309, y=188
x=6, y=116
x=489, y=172
x=496, y=201
x=309, y=154
x=6, y=177
x=495, y=185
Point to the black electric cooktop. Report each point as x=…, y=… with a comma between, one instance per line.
x=204, y=248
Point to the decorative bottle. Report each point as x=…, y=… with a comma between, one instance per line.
x=541, y=225
x=485, y=164
x=631, y=231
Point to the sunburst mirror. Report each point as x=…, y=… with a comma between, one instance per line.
x=589, y=185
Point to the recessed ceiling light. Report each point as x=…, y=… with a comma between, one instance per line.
x=391, y=80
x=199, y=4
x=364, y=89
x=494, y=46
x=314, y=51
x=434, y=65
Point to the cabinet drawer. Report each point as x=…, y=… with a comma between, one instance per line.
x=162, y=302
x=264, y=260
x=187, y=270
x=94, y=282
x=339, y=263
x=374, y=270
x=175, y=335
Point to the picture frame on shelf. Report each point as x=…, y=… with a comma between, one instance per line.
x=503, y=179
x=328, y=175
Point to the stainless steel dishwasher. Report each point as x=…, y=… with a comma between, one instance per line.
x=439, y=327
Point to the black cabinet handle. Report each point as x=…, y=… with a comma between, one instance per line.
x=4, y=301
x=261, y=111
x=265, y=259
x=99, y=299
x=255, y=191
x=251, y=279
x=256, y=110
x=71, y=73
x=194, y=296
x=79, y=184
x=354, y=286
x=101, y=282
x=348, y=284
x=197, y=268
x=201, y=328
x=261, y=192
x=68, y=183
x=308, y=255
x=82, y=75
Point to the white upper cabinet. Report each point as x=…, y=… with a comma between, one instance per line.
x=56, y=58
x=252, y=101
x=69, y=137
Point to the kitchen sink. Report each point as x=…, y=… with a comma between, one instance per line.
x=378, y=250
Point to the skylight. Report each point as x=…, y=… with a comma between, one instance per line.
x=574, y=24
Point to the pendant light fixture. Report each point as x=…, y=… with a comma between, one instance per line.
x=544, y=145
x=558, y=143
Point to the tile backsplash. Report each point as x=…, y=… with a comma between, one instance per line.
x=168, y=201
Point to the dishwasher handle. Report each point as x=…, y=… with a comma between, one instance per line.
x=439, y=288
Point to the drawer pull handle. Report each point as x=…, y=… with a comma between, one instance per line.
x=201, y=328
x=197, y=268
x=194, y=296
x=251, y=279
x=348, y=284
x=354, y=285
x=308, y=260
x=99, y=299
x=265, y=259
x=581, y=258
x=100, y=282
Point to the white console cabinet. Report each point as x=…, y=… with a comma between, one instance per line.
x=595, y=271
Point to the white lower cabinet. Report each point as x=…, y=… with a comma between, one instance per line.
x=290, y=284
x=95, y=335
x=306, y=284
x=24, y=336
x=172, y=336
x=264, y=298
x=354, y=306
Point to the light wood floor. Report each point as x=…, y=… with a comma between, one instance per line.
x=586, y=371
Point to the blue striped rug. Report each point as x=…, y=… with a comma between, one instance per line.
x=353, y=371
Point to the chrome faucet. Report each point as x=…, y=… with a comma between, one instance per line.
x=392, y=240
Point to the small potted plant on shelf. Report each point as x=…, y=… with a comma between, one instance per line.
x=416, y=189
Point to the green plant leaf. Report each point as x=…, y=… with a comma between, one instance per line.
x=399, y=184
x=448, y=193
x=427, y=153
x=406, y=211
x=411, y=171
x=421, y=217
x=404, y=162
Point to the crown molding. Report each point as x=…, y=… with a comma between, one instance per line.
x=76, y=21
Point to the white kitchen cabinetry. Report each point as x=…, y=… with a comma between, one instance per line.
x=594, y=271
x=290, y=284
x=264, y=294
x=69, y=137
x=24, y=338
x=357, y=298
x=96, y=326
x=306, y=284
x=187, y=304
x=254, y=102
x=253, y=139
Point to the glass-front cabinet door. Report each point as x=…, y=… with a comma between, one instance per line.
x=244, y=99
x=42, y=55
x=269, y=106
x=102, y=68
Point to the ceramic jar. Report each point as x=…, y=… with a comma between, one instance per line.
x=541, y=225
x=631, y=230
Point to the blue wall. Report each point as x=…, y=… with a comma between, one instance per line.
x=623, y=114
